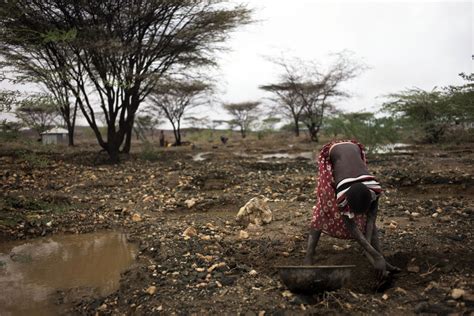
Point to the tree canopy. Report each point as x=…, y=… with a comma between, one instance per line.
x=433, y=112
x=307, y=92
x=244, y=114
x=38, y=112
x=173, y=98
x=110, y=53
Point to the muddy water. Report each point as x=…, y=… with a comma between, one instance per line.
x=305, y=155
x=32, y=272
x=200, y=156
x=390, y=148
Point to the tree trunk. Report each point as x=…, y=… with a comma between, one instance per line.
x=70, y=136
x=73, y=125
x=242, y=132
x=177, y=136
x=297, y=127
x=115, y=138
x=128, y=138
x=313, y=132
x=114, y=152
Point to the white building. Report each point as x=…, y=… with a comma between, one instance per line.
x=55, y=135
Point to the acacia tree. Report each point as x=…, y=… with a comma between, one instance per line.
x=364, y=127
x=285, y=97
x=145, y=124
x=428, y=111
x=288, y=101
x=37, y=112
x=7, y=99
x=31, y=64
x=173, y=98
x=121, y=46
x=244, y=114
x=198, y=122
x=308, y=92
x=461, y=99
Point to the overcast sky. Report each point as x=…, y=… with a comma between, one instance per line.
x=406, y=44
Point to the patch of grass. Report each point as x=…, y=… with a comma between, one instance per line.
x=149, y=153
x=47, y=205
x=10, y=220
x=8, y=136
x=33, y=159
x=14, y=210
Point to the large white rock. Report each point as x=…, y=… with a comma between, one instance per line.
x=256, y=211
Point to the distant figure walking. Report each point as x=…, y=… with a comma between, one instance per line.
x=162, y=139
x=224, y=139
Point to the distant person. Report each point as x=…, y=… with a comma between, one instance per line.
x=162, y=139
x=224, y=139
x=347, y=203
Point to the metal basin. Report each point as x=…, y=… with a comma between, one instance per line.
x=314, y=279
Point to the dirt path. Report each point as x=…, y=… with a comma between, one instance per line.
x=425, y=219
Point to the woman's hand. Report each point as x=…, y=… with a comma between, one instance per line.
x=380, y=268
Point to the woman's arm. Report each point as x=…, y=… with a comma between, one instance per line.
x=374, y=256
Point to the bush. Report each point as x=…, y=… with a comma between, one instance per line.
x=149, y=152
x=364, y=127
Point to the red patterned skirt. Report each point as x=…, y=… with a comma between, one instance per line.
x=327, y=217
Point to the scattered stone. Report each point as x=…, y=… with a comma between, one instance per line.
x=243, y=234
x=415, y=214
x=190, y=203
x=215, y=266
x=102, y=308
x=385, y=297
x=445, y=219
x=148, y=198
x=254, y=228
x=136, y=217
x=255, y=211
x=457, y=293
x=151, y=290
x=413, y=269
x=287, y=294
x=205, y=258
x=253, y=273
x=190, y=232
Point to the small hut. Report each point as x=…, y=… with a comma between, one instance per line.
x=56, y=135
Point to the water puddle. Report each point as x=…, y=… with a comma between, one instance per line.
x=32, y=272
x=390, y=148
x=304, y=155
x=307, y=155
x=200, y=156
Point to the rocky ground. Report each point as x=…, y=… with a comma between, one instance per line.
x=195, y=258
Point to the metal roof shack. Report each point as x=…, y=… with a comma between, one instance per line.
x=56, y=135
